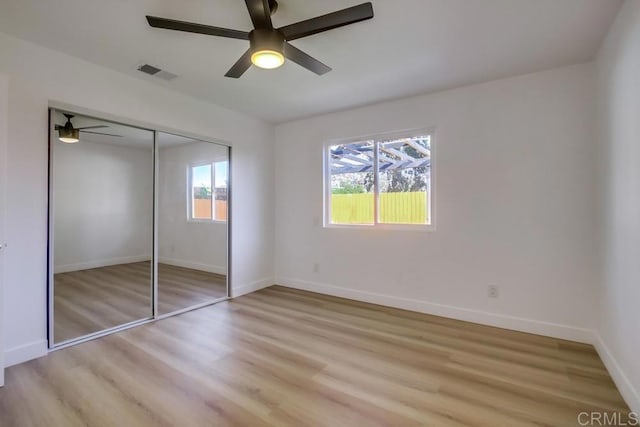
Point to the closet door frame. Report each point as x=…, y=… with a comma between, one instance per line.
x=59, y=106
x=4, y=142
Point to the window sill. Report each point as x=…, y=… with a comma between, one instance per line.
x=206, y=221
x=395, y=227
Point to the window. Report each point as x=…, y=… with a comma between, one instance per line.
x=379, y=181
x=207, y=191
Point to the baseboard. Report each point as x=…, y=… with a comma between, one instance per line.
x=218, y=269
x=100, y=263
x=532, y=326
x=625, y=386
x=238, y=291
x=25, y=352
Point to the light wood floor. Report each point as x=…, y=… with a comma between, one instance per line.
x=281, y=357
x=92, y=300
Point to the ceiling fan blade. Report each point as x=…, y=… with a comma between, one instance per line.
x=327, y=22
x=260, y=14
x=304, y=60
x=241, y=66
x=189, y=27
x=92, y=127
x=98, y=133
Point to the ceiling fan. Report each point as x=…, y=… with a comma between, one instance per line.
x=269, y=46
x=69, y=134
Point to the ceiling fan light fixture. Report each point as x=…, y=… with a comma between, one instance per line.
x=267, y=59
x=69, y=136
x=267, y=48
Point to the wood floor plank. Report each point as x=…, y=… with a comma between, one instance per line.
x=282, y=357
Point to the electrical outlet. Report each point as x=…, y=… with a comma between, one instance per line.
x=493, y=291
x=316, y=267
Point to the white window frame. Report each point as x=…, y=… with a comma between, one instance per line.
x=326, y=181
x=190, y=196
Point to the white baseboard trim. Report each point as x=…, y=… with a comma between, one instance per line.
x=218, y=269
x=100, y=263
x=25, y=352
x=532, y=326
x=238, y=291
x=626, y=388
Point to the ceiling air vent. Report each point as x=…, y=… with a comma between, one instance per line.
x=156, y=72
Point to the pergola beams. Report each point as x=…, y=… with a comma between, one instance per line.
x=360, y=156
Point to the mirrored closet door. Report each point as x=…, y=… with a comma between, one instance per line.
x=101, y=225
x=192, y=214
x=138, y=225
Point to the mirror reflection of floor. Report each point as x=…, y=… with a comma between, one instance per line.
x=89, y=301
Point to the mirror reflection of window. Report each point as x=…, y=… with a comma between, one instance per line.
x=208, y=191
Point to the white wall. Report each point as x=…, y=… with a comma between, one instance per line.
x=190, y=244
x=618, y=75
x=514, y=201
x=103, y=204
x=37, y=75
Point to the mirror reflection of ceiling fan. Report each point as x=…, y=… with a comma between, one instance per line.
x=69, y=134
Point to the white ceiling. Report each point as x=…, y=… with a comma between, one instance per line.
x=410, y=47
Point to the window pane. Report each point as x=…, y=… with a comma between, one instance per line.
x=352, y=185
x=221, y=175
x=220, y=184
x=405, y=181
x=201, y=191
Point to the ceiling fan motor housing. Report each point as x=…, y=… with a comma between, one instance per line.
x=273, y=7
x=260, y=40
